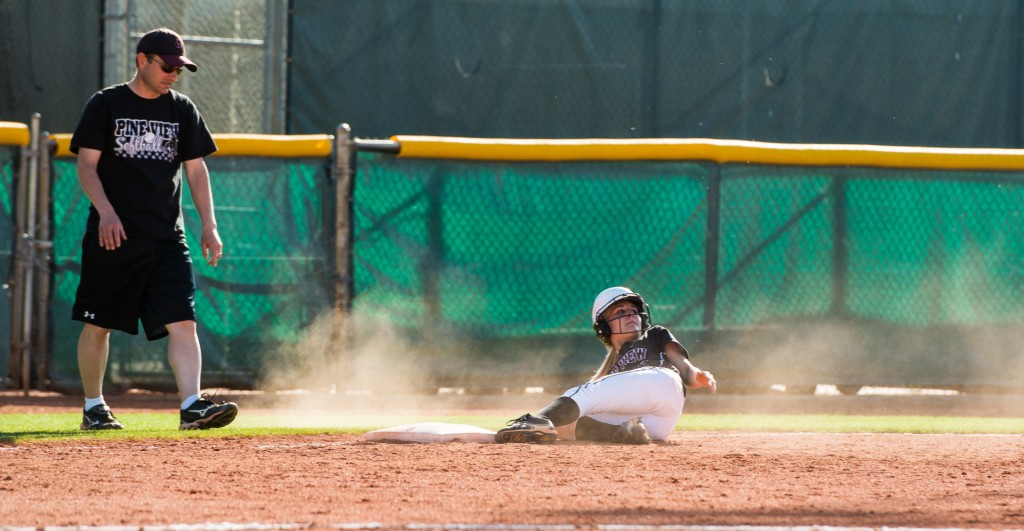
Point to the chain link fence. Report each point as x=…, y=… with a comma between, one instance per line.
x=481, y=273
x=239, y=47
x=915, y=72
x=485, y=269
x=9, y=163
x=784, y=274
x=918, y=72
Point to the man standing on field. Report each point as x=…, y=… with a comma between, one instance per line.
x=131, y=141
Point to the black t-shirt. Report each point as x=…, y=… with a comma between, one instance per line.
x=647, y=351
x=144, y=141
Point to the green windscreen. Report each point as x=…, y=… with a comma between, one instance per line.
x=9, y=157
x=501, y=251
x=483, y=273
x=843, y=272
x=937, y=249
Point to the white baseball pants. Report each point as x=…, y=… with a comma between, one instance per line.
x=655, y=394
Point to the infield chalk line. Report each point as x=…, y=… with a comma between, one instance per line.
x=209, y=526
x=261, y=526
x=631, y=527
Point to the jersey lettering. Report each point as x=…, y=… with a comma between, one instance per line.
x=637, y=357
x=647, y=351
x=145, y=139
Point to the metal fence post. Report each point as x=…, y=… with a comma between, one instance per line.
x=16, y=282
x=43, y=254
x=116, y=56
x=28, y=259
x=344, y=151
x=276, y=65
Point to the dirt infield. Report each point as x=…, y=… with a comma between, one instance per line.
x=695, y=478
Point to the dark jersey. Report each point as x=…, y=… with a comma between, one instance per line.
x=648, y=351
x=144, y=141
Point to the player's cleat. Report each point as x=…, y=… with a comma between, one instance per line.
x=100, y=418
x=632, y=432
x=205, y=414
x=528, y=429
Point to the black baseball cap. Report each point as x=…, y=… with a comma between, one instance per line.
x=168, y=45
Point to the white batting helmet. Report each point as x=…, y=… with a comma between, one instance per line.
x=609, y=297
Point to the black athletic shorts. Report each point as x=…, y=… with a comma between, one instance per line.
x=147, y=280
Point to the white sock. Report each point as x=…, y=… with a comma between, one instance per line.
x=93, y=402
x=189, y=401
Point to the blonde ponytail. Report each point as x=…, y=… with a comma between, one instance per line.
x=609, y=359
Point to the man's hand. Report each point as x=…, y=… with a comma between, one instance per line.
x=111, y=232
x=213, y=249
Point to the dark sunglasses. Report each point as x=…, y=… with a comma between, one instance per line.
x=164, y=66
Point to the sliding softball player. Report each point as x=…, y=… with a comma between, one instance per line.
x=636, y=395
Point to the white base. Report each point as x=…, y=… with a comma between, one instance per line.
x=429, y=432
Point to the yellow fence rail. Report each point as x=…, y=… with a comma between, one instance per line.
x=13, y=134
x=245, y=145
x=701, y=149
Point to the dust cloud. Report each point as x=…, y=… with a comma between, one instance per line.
x=382, y=369
x=338, y=375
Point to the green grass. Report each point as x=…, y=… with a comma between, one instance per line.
x=26, y=428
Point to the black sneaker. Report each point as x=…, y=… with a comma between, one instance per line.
x=100, y=418
x=205, y=414
x=528, y=429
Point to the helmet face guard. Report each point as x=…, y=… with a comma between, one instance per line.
x=610, y=296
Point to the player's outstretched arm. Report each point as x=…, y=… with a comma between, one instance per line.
x=692, y=376
x=704, y=379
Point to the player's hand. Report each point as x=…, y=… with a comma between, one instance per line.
x=705, y=379
x=111, y=232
